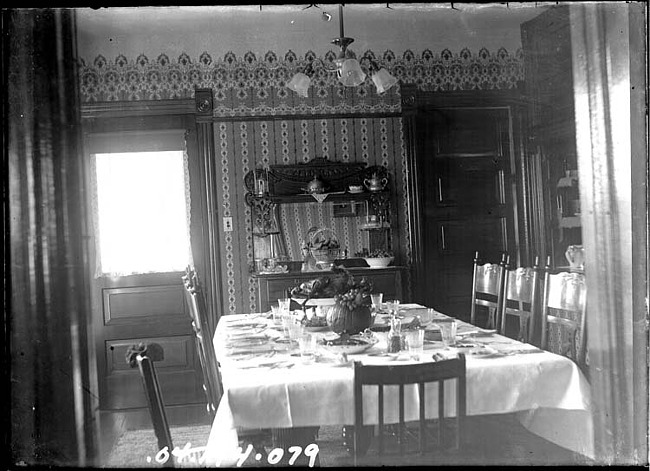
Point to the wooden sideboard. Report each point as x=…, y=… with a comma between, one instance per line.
x=273, y=286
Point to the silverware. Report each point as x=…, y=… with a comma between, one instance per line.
x=248, y=352
x=523, y=351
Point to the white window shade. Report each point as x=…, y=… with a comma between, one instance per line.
x=141, y=212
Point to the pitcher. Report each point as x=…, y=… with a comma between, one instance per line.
x=575, y=256
x=375, y=183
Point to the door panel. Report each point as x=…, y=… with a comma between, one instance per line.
x=465, y=161
x=460, y=239
x=137, y=303
x=145, y=308
x=176, y=373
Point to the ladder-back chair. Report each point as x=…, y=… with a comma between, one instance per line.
x=520, y=299
x=414, y=375
x=203, y=339
x=564, y=306
x=213, y=385
x=487, y=289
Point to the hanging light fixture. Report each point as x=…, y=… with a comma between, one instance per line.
x=347, y=67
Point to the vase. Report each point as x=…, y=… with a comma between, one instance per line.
x=344, y=321
x=575, y=256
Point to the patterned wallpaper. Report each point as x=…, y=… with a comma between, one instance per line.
x=249, y=86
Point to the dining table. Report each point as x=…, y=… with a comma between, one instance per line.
x=267, y=384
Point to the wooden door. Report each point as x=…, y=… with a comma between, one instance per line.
x=463, y=157
x=148, y=306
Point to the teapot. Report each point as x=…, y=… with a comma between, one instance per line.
x=315, y=186
x=575, y=256
x=375, y=183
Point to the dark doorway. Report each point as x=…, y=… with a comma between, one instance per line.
x=465, y=185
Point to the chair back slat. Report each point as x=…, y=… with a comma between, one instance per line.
x=417, y=375
x=487, y=278
x=520, y=284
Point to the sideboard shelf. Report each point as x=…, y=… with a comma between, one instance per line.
x=338, y=197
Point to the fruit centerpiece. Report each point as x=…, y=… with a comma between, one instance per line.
x=350, y=313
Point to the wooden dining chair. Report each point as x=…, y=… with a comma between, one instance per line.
x=212, y=383
x=143, y=357
x=521, y=299
x=415, y=374
x=564, y=312
x=487, y=289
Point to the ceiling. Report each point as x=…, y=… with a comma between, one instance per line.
x=172, y=30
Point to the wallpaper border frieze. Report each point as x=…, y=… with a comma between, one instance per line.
x=252, y=86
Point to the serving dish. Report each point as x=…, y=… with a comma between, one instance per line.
x=347, y=345
x=379, y=262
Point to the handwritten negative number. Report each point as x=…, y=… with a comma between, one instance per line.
x=276, y=454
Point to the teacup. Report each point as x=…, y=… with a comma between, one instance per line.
x=355, y=188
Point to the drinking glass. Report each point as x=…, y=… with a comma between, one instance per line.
x=277, y=314
x=295, y=331
x=307, y=345
x=415, y=343
x=427, y=316
x=393, y=307
x=284, y=304
x=448, y=332
x=376, y=299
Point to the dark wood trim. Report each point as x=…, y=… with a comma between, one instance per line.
x=211, y=271
x=409, y=108
x=124, y=109
x=309, y=117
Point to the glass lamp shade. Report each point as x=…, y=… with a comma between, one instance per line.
x=300, y=84
x=383, y=80
x=350, y=73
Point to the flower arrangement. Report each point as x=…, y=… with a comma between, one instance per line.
x=377, y=253
x=341, y=286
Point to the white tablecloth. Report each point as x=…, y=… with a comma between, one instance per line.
x=549, y=393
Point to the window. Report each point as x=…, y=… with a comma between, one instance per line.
x=141, y=212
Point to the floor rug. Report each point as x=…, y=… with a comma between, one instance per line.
x=139, y=449
x=495, y=441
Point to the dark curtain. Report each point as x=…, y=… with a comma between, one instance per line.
x=52, y=396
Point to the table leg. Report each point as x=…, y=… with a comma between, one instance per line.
x=285, y=438
x=367, y=432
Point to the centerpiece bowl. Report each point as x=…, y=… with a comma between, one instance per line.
x=350, y=313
